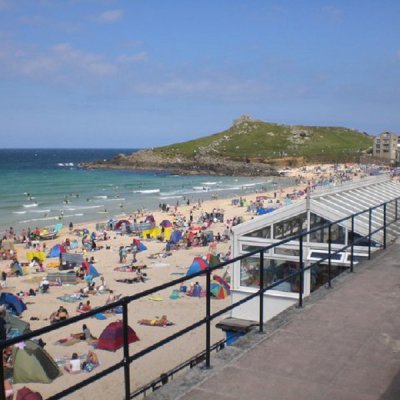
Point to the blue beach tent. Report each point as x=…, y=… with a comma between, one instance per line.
x=93, y=271
x=13, y=303
x=176, y=236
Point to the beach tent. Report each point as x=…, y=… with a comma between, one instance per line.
x=27, y=394
x=57, y=227
x=262, y=210
x=112, y=337
x=15, y=326
x=56, y=250
x=217, y=290
x=33, y=364
x=39, y=255
x=13, y=303
x=166, y=223
x=93, y=271
x=149, y=219
x=139, y=245
x=197, y=265
x=175, y=237
x=119, y=224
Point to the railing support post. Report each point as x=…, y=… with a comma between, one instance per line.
x=352, y=245
x=369, y=233
x=395, y=211
x=384, y=226
x=301, y=283
x=2, y=389
x=261, y=321
x=208, y=321
x=329, y=259
x=126, y=351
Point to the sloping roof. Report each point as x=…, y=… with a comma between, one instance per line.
x=359, y=196
x=337, y=202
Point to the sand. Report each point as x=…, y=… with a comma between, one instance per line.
x=181, y=312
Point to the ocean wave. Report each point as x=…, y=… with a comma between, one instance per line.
x=148, y=191
x=170, y=197
x=116, y=199
x=39, y=211
x=100, y=197
x=68, y=164
x=209, y=183
x=53, y=218
x=19, y=212
x=81, y=207
x=30, y=205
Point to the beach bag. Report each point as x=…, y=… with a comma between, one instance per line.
x=27, y=394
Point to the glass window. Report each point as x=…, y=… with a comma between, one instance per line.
x=322, y=236
x=274, y=270
x=286, y=251
x=290, y=227
x=320, y=274
x=264, y=233
x=246, y=247
x=318, y=255
x=361, y=241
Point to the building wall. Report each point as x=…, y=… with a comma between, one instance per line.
x=385, y=146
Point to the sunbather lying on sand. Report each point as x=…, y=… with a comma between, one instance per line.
x=163, y=321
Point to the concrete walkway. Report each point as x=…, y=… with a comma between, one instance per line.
x=343, y=345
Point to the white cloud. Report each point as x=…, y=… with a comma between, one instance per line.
x=133, y=58
x=110, y=16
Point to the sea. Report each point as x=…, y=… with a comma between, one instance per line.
x=43, y=187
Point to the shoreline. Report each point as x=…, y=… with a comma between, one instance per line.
x=182, y=312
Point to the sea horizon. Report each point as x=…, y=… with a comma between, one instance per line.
x=49, y=187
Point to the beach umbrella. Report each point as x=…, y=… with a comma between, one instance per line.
x=217, y=290
x=198, y=264
x=223, y=283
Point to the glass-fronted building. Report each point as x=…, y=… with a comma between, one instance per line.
x=319, y=208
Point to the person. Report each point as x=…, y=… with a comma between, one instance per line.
x=62, y=314
x=103, y=285
x=3, y=282
x=44, y=285
x=3, y=329
x=122, y=254
x=8, y=389
x=86, y=334
x=74, y=365
x=71, y=226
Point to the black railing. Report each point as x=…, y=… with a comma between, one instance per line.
x=209, y=317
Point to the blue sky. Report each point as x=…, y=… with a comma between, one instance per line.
x=143, y=73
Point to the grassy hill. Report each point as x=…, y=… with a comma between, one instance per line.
x=268, y=142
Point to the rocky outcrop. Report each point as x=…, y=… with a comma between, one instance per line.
x=198, y=165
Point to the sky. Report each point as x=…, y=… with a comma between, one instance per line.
x=146, y=73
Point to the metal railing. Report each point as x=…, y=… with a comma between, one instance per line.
x=209, y=317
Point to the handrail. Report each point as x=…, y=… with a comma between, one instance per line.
x=125, y=301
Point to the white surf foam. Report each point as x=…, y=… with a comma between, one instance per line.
x=148, y=191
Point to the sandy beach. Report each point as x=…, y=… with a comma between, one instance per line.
x=181, y=312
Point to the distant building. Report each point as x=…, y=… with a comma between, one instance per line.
x=386, y=146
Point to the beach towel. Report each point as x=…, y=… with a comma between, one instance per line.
x=175, y=295
x=155, y=297
x=69, y=341
x=70, y=298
